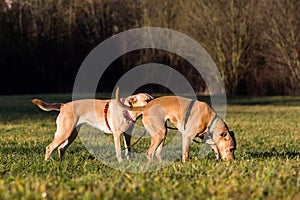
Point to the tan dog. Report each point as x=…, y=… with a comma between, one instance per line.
x=105, y=115
x=192, y=118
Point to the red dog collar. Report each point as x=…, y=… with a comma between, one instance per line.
x=126, y=115
x=105, y=114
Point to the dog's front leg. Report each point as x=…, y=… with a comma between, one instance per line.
x=127, y=139
x=186, y=141
x=214, y=147
x=117, y=137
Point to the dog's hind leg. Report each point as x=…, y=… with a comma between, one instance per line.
x=63, y=147
x=159, y=150
x=156, y=145
x=157, y=130
x=160, y=146
x=65, y=127
x=214, y=147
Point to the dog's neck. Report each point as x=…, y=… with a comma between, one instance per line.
x=211, y=137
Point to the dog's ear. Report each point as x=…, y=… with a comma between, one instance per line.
x=149, y=97
x=225, y=135
x=233, y=137
x=231, y=133
x=132, y=100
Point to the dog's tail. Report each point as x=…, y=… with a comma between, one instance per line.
x=130, y=108
x=47, y=106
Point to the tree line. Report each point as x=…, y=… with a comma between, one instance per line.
x=255, y=44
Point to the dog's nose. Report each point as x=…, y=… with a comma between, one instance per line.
x=229, y=157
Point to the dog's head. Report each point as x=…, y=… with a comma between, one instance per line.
x=140, y=99
x=226, y=145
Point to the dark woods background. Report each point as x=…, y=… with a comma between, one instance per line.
x=255, y=44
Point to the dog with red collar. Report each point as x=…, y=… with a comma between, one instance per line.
x=104, y=115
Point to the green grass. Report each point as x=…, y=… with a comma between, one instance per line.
x=267, y=164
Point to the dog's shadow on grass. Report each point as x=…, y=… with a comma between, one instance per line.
x=268, y=154
x=22, y=150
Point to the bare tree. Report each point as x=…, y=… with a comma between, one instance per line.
x=283, y=37
x=227, y=29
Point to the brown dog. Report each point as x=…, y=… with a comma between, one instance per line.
x=192, y=118
x=105, y=115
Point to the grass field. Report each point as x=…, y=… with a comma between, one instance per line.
x=267, y=164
